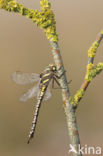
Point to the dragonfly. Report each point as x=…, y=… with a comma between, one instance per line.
x=41, y=90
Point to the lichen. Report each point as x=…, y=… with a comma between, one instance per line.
x=99, y=67
x=44, y=19
x=79, y=94
x=93, y=72
x=90, y=67
x=93, y=49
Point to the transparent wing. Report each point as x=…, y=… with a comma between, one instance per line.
x=25, y=78
x=30, y=93
x=47, y=94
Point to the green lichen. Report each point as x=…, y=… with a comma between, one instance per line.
x=79, y=94
x=44, y=19
x=99, y=67
x=88, y=76
x=90, y=67
x=9, y=5
x=93, y=72
x=93, y=49
x=45, y=4
x=13, y=6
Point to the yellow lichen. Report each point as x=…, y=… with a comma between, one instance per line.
x=74, y=101
x=93, y=49
x=44, y=19
x=92, y=72
x=78, y=96
x=90, y=66
x=99, y=67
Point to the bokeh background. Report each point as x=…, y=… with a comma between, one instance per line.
x=24, y=47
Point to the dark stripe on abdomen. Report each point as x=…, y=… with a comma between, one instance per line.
x=31, y=134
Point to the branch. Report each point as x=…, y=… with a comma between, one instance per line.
x=68, y=107
x=92, y=71
x=44, y=19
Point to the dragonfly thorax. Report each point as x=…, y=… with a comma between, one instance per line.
x=51, y=67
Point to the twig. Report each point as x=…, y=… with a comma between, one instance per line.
x=91, y=72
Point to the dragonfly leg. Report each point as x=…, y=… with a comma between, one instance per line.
x=55, y=80
x=69, y=82
x=53, y=83
x=59, y=76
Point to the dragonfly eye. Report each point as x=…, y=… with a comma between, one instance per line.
x=54, y=68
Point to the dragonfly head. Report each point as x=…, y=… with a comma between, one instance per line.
x=52, y=67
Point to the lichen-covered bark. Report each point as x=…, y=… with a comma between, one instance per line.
x=91, y=72
x=68, y=107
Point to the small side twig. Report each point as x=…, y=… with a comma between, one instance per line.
x=91, y=72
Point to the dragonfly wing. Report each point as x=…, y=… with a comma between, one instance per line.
x=25, y=78
x=30, y=93
x=47, y=94
x=38, y=94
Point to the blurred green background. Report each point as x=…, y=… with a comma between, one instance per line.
x=24, y=47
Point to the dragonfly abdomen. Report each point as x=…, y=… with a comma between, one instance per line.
x=40, y=98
